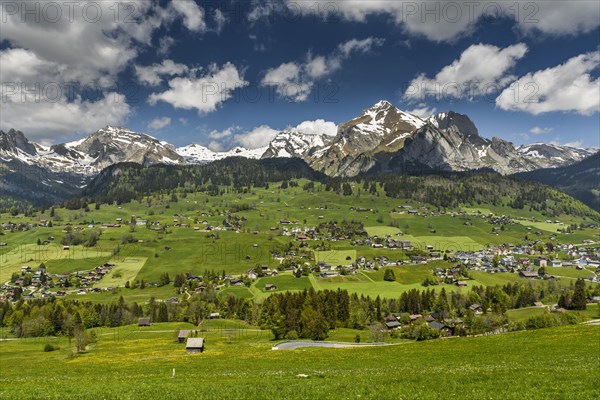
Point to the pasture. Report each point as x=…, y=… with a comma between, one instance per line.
x=192, y=239
x=124, y=270
x=239, y=363
x=382, y=231
x=336, y=257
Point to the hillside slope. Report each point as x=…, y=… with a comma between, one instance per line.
x=581, y=180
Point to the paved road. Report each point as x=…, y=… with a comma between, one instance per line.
x=296, y=344
x=592, y=322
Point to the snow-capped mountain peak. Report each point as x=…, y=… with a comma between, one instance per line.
x=383, y=118
x=553, y=155
x=294, y=143
x=451, y=120
x=198, y=154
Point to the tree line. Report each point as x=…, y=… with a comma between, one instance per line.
x=306, y=314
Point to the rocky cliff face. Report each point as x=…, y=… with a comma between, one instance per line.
x=13, y=142
x=384, y=138
x=380, y=128
x=297, y=144
x=112, y=145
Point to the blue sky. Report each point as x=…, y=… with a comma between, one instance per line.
x=226, y=73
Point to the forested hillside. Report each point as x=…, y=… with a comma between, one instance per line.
x=580, y=180
x=125, y=182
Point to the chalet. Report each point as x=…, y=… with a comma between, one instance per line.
x=393, y=324
x=414, y=317
x=436, y=325
x=461, y=284
x=194, y=345
x=476, y=308
x=418, y=259
x=182, y=335
x=541, y=262
x=556, y=263
x=214, y=315
x=524, y=261
x=445, y=329
x=66, y=247
x=144, y=321
x=252, y=274
x=270, y=287
x=405, y=244
x=528, y=274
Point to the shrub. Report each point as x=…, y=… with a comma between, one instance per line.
x=49, y=347
x=292, y=335
x=389, y=275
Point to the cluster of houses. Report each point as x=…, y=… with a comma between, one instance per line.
x=511, y=258
x=39, y=281
x=447, y=326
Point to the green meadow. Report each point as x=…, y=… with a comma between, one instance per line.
x=238, y=363
x=124, y=270
x=142, y=253
x=336, y=257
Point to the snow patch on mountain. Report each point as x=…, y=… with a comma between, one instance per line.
x=198, y=154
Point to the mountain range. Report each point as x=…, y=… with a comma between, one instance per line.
x=381, y=139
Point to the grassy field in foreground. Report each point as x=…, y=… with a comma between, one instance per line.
x=139, y=365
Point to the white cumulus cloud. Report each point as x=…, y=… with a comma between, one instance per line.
x=159, y=123
x=257, y=137
x=481, y=69
x=536, y=130
x=215, y=134
x=202, y=93
x=317, y=127
x=220, y=20
x=47, y=120
x=567, y=87
x=423, y=111
x=447, y=21
x=192, y=14
x=295, y=80
x=151, y=75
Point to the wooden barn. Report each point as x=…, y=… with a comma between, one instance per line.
x=182, y=335
x=194, y=345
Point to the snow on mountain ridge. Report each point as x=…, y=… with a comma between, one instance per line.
x=198, y=154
